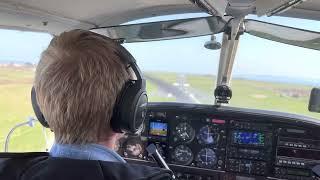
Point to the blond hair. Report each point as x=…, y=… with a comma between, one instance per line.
x=77, y=82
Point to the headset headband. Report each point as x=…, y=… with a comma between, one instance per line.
x=129, y=61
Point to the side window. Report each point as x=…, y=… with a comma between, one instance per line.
x=20, y=52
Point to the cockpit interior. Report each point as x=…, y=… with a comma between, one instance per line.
x=199, y=141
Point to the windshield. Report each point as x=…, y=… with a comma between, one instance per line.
x=267, y=75
x=171, y=66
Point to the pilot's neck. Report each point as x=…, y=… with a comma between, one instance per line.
x=111, y=141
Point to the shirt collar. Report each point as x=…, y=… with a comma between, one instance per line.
x=85, y=152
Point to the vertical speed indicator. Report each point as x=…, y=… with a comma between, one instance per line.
x=182, y=155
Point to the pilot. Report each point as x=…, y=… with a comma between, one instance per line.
x=77, y=82
x=89, y=91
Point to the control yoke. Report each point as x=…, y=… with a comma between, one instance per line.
x=152, y=151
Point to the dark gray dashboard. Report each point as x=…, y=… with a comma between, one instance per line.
x=210, y=142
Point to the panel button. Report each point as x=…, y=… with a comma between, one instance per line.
x=280, y=161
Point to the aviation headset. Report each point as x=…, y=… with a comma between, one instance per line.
x=130, y=108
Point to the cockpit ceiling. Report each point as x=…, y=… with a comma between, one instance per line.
x=309, y=9
x=55, y=16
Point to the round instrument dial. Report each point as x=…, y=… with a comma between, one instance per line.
x=206, y=135
x=133, y=148
x=184, y=132
x=206, y=158
x=182, y=155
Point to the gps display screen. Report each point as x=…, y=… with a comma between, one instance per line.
x=158, y=128
x=248, y=138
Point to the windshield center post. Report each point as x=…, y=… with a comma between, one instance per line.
x=229, y=48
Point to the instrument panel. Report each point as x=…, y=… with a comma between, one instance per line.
x=225, y=143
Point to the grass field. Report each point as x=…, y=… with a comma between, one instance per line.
x=15, y=106
x=154, y=95
x=169, y=77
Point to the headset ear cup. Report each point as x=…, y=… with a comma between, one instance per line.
x=139, y=113
x=131, y=108
x=37, y=110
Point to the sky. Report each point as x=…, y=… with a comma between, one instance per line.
x=255, y=56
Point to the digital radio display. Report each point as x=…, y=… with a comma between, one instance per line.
x=298, y=153
x=298, y=172
x=248, y=138
x=158, y=128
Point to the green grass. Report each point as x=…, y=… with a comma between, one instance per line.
x=15, y=107
x=23, y=75
x=203, y=83
x=169, y=77
x=268, y=96
x=155, y=96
